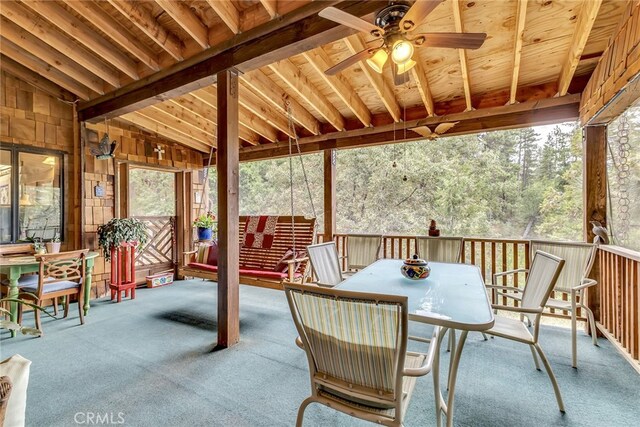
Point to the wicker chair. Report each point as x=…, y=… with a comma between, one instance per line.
x=5, y=393
x=362, y=250
x=356, y=345
x=325, y=263
x=543, y=275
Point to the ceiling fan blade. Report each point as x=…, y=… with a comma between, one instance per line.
x=417, y=13
x=451, y=40
x=444, y=127
x=360, y=56
x=423, y=131
x=344, y=18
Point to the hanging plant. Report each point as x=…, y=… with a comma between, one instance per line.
x=119, y=231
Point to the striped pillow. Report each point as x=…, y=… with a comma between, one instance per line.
x=208, y=254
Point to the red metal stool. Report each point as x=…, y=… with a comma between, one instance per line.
x=123, y=271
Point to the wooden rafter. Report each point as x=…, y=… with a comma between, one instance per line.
x=35, y=79
x=586, y=18
x=142, y=19
x=228, y=13
x=355, y=43
x=193, y=121
x=247, y=120
x=464, y=64
x=140, y=120
x=521, y=16
x=320, y=61
x=256, y=105
x=420, y=77
x=177, y=125
x=187, y=20
x=84, y=34
x=117, y=32
x=295, y=79
x=41, y=50
x=271, y=6
x=45, y=70
x=290, y=35
x=262, y=85
x=47, y=33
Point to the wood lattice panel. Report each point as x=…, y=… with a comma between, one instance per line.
x=160, y=246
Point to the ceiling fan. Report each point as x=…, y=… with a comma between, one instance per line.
x=439, y=130
x=393, y=28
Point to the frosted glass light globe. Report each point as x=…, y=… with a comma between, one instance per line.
x=401, y=52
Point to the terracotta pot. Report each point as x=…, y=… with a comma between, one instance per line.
x=52, y=247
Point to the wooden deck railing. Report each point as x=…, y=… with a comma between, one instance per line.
x=619, y=291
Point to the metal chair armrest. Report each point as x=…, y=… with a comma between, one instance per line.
x=517, y=309
x=586, y=283
x=427, y=365
x=504, y=273
x=506, y=288
x=299, y=343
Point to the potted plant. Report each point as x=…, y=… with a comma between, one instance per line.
x=121, y=231
x=38, y=246
x=5, y=323
x=206, y=224
x=53, y=246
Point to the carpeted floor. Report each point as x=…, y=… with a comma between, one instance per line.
x=149, y=362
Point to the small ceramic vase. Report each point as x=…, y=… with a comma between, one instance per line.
x=415, y=268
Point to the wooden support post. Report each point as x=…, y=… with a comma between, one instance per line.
x=329, y=194
x=184, y=218
x=595, y=196
x=227, y=167
x=122, y=202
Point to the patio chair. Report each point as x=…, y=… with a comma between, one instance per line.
x=362, y=250
x=325, y=263
x=573, y=280
x=439, y=249
x=356, y=346
x=543, y=275
x=59, y=275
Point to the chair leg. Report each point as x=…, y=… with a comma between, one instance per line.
x=55, y=306
x=303, y=406
x=20, y=314
x=36, y=314
x=592, y=324
x=574, y=334
x=66, y=306
x=80, y=307
x=484, y=336
x=535, y=357
x=552, y=377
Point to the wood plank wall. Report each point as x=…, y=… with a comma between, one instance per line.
x=33, y=118
x=603, y=97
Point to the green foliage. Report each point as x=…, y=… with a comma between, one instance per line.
x=152, y=192
x=206, y=220
x=15, y=326
x=121, y=230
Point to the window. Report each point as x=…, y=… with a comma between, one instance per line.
x=151, y=192
x=31, y=194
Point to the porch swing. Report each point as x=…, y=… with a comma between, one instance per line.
x=284, y=259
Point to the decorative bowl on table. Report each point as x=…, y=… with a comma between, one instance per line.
x=415, y=268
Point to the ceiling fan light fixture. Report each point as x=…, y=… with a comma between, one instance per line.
x=378, y=60
x=406, y=66
x=401, y=52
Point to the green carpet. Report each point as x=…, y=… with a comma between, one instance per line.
x=149, y=362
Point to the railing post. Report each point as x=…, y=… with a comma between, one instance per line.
x=595, y=197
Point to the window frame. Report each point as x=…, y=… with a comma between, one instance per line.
x=15, y=150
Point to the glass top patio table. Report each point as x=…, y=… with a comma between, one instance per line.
x=452, y=296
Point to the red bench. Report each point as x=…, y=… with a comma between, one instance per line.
x=258, y=266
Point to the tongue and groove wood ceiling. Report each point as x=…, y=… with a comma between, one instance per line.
x=535, y=49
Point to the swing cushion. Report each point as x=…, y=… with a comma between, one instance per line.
x=208, y=254
x=246, y=271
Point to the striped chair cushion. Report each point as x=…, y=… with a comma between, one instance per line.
x=208, y=254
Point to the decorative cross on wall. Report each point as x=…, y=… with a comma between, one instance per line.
x=159, y=150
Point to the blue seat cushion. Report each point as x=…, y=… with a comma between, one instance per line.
x=51, y=287
x=31, y=279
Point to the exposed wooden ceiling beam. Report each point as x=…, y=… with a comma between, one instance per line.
x=190, y=120
x=177, y=125
x=320, y=61
x=420, y=76
x=256, y=105
x=115, y=31
x=271, y=6
x=294, y=78
x=46, y=32
x=163, y=130
x=208, y=112
x=355, y=43
x=263, y=86
x=84, y=34
x=55, y=59
x=27, y=60
x=35, y=79
x=530, y=113
x=141, y=18
x=188, y=20
x=521, y=16
x=464, y=64
x=297, y=31
x=227, y=13
x=586, y=18
x=248, y=120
